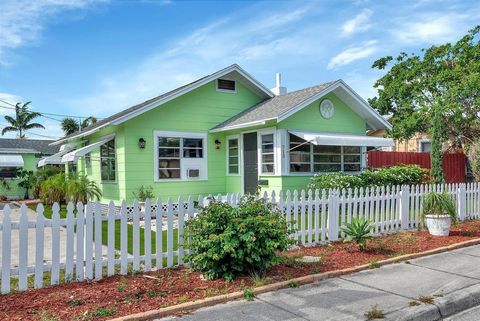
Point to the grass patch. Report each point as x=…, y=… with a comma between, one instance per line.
x=293, y=284
x=413, y=303
x=248, y=294
x=374, y=313
x=373, y=264
x=426, y=299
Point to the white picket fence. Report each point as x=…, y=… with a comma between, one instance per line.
x=317, y=216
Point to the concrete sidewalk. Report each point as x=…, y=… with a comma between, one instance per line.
x=452, y=279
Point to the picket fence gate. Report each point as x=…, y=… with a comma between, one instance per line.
x=316, y=216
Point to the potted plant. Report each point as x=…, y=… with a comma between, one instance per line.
x=438, y=213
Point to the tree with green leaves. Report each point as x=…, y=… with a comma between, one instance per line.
x=27, y=180
x=70, y=125
x=439, y=87
x=22, y=121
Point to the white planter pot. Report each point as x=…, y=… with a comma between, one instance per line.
x=438, y=225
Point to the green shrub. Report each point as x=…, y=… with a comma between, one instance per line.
x=394, y=175
x=439, y=204
x=53, y=189
x=81, y=189
x=358, y=231
x=334, y=181
x=226, y=242
x=387, y=176
x=143, y=193
x=43, y=174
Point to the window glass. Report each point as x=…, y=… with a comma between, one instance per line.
x=233, y=156
x=307, y=158
x=107, y=161
x=170, y=152
x=192, y=147
x=267, y=157
x=9, y=172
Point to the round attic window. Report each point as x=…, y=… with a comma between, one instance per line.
x=327, y=109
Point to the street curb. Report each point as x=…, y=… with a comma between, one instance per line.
x=422, y=310
x=442, y=307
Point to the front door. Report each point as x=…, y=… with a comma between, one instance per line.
x=250, y=163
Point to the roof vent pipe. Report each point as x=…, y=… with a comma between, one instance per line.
x=279, y=90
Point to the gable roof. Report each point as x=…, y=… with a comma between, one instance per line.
x=272, y=108
x=33, y=146
x=147, y=105
x=283, y=106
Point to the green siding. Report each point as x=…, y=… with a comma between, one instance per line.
x=197, y=111
x=30, y=163
x=344, y=120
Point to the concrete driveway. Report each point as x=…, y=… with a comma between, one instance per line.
x=15, y=216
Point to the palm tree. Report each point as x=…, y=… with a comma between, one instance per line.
x=71, y=125
x=22, y=120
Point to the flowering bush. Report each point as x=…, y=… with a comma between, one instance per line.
x=388, y=176
x=227, y=241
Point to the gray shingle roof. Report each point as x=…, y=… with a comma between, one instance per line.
x=273, y=107
x=40, y=146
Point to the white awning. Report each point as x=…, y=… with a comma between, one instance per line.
x=343, y=140
x=56, y=159
x=74, y=155
x=11, y=160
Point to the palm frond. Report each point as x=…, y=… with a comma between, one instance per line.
x=33, y=125
x=9, y=129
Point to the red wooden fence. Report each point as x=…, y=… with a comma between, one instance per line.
x=453, y=164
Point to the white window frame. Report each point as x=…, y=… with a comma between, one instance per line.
x=228, y=138
x=158, y=133
x=260, y=133
x=420, y=142
x=312, y=162
x=225, y=90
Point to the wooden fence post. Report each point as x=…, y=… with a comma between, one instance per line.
x=332, y=216
x=461, y=202
x=404, y=202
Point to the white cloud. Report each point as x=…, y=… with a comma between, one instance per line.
x=251, y=41
x=353, y=53
x=360, y=23
x=432, y=29
x=22, y=21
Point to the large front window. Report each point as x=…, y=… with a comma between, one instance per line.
x=107, y=161
x=177, y=157
x=309, y=158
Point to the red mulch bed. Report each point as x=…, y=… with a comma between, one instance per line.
x=122, y=295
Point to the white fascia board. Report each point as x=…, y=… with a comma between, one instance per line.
x=79, y=135
x=366, y=105
x=191, y=87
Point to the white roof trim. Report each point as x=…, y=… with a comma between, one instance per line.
x=191, y=87
x=332, y=87
x=11, y=160
x=332, y=139
x=79, y=135
x=181, y=92
x=72, y=156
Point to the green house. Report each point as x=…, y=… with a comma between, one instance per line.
x=225, y=133
x=17, y=154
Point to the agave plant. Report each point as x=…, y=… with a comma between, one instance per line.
x=81, y=189
x=358, y=231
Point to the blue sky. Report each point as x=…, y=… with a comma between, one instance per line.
x=87, y=57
